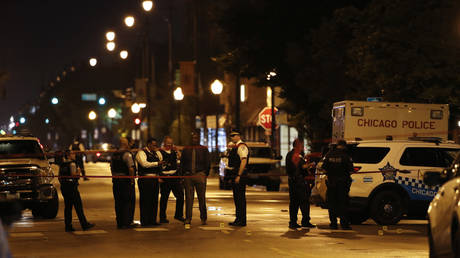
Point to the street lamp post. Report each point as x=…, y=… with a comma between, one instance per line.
x=92, y=116
x=273, y=124
x=216, y=88
x=178, y=96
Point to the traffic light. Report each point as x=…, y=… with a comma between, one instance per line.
x=137, y=121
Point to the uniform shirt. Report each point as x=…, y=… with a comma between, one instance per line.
x=338, y=164
x=173, y=169
x=141, y=159
x=128, y=159
x=243, y=150
x=81, y=147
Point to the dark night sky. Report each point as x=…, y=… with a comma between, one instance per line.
x=40, y=38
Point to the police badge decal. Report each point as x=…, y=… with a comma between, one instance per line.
x=388, y=172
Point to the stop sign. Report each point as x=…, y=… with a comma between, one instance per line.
x=265, y=118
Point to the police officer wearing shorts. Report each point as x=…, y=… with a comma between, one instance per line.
x=338, y=165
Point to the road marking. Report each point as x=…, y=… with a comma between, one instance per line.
x=150, y=229
x=91, y=232
x=215, y=228
x=35, y=234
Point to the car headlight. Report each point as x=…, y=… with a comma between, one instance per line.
x=45, y=175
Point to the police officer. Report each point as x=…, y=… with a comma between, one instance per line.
x=170, y=168
x=68, y=177
x=299, y=189
x=237, y=162
x=122, y=165
x=338, y=165
x=149, y=161
x=78, y=146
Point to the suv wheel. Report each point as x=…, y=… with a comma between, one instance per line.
x=49, y=209
x=387, y=208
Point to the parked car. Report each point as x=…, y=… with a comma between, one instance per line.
x=26, y=175
x=262, y=161
x=444, y=212
x=101, y=152
x=387, y=182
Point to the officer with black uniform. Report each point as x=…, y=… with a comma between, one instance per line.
x=78, y=146
x=122, y=165
x=237, y=162
x=170, y=168
x=299, y=189
x=68, y=178
x=149, y=161
x=338, y=165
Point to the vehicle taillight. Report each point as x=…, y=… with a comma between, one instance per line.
x=356, y=169
x=98, y=154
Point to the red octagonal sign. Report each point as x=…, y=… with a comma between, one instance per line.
x=265, y=118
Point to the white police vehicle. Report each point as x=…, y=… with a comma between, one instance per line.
x=388, y=179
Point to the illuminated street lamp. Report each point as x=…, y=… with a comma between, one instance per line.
x=92, y=115
x=216, y=88
x=124, y=54
x=178, y=95
x=110, y=35
x=147, y=5
x=135, y=108
x=47, y=121
x=101, y=101
x=22, y=120
x=93, y=62
x=54, y=101
x=112, y=113
x=129, y=21
x=110, y=45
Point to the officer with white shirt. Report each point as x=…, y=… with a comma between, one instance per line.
x=149, y=161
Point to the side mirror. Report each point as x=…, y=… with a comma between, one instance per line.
x=431, y=178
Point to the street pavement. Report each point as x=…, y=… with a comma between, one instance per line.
x=267, y=233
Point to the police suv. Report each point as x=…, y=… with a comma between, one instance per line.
x=26, y=175
x=387, y=182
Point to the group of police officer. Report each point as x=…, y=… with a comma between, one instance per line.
x=166, y=169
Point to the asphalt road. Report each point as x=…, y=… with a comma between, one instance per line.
x=267, y=233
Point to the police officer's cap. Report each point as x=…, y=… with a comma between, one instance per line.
x=235, y=132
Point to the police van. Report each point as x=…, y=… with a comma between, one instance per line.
x=392, y=145
x=376, y=120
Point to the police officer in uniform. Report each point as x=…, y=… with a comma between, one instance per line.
x=122, y=165
x=338, y=165
x=78, y=146
x=170, y=168
x=237, y=162
x=149, y=161
x=299, y=189
x=68, y=178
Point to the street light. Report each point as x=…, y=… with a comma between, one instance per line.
x=101, y=101
x=216, y=88
x=93, y=62
x=135, y=108
x=178, y=96
x=92, y=115
x=129, y=21
x=124, y=54
x=110, y=46
x=110, y=35
x=54, y=101
x=147, y=5
x=112, y=113
x=22, y=120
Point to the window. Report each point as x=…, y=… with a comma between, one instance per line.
x=436, y=114
x=423, y=157
x=449, y=155
x=20, y=149
x=368, y=155
x=338, y=112
x=357, y=111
